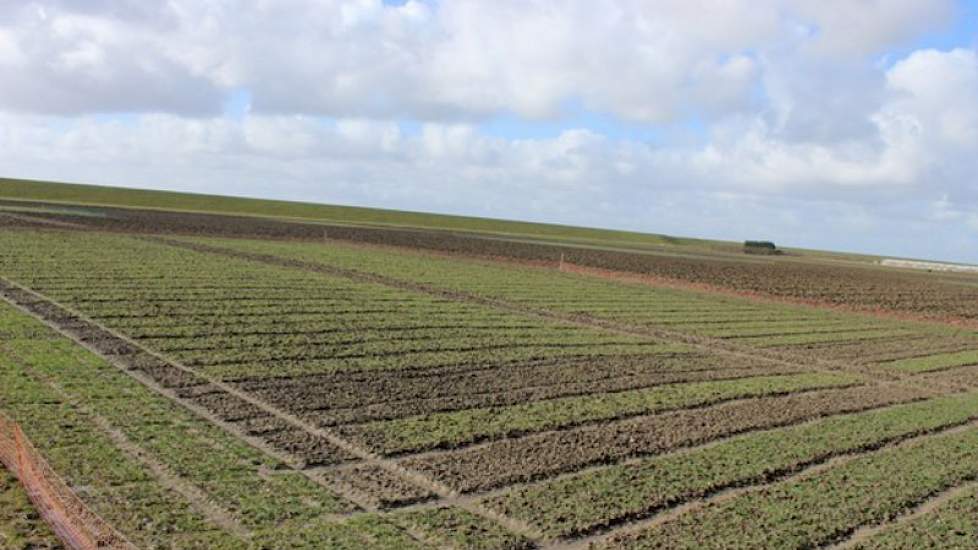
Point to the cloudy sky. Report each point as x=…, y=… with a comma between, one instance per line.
x=837, y=124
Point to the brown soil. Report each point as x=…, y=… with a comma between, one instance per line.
x=385, y=395
x=889, y=349
x=542, y=455
x=379, y=487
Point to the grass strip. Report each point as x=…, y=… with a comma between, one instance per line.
x=935, y=362
x=445, y=430
x=824, y=507
x=593, y=500
x=227, y=470
x=954, y=524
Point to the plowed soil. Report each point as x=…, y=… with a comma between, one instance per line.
x=542, y=455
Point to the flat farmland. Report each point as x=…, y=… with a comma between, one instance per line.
x=200, y=388
x=846, y=281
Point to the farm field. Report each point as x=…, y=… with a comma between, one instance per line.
x=202, y=381
x=75, y=195
x=843, y=281
x=847, y=281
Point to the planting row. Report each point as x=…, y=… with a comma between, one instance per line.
x=538, y=456
x=272, y=506
x=359, y=398
x=583, y=503
x=741, y=321
x=349, y=332
x=953, y=524
x=827, y=505
x=452, y=429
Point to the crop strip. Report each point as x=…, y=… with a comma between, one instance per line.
x=412, y=477
x=935, y=362
x=399, y=409
x=457, y=429
x=500, y=463
x=864, y=535
x=67, y=325
x=194, y=495
x=593, y=501
x=710, y=344
x=690, y=526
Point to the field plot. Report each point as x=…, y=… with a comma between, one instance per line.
x=270, y=394
x=739, y=322
x=845, y=280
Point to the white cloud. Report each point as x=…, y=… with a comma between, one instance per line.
x=457, y=59
x=766, y=116
x=69, y=62
x=940, y=90
x=854, y=27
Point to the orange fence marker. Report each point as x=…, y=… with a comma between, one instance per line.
x=72, y=521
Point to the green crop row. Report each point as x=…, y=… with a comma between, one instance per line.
x=441, y=527
x=453, y=335
x=391, y=347
x=307, y=321
x=722, y=323
x=357, y=533
x=935, y=362
x=257, y=333
x=425, y=360
x=773, y=330
x=460, y=529
x=90, y=257
x=451, y=429
x=625, y=303
x=305, y=325
x=116, y=486
x=954, y=524
x=820, y=508
x=223, y=467
x=585, y=502
x=819, y=338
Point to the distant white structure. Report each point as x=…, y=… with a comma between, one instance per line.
x=930, y=266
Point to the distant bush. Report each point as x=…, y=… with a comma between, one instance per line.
x=760, y=247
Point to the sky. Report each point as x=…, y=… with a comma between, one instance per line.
x=839, y=124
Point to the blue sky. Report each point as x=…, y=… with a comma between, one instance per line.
x=835, y=124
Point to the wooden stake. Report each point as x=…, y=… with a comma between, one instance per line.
x=561, y=268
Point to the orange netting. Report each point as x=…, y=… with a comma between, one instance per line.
x=70, y=519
